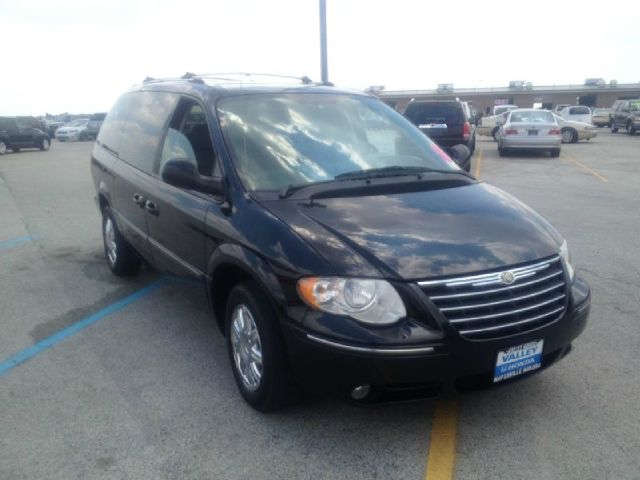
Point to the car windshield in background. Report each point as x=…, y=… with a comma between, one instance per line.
x=531, y=117
x=278, y=140
x=634, y=106
x=77, y=123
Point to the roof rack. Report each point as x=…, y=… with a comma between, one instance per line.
x=227, y=77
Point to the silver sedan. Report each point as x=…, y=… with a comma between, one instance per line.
x=530, y=129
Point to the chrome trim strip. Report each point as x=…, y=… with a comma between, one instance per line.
x=381, y=351
x=512, y=324
x=174, y=257
x=507, y=300
x=490, y=277
x=495, y=290
x=511, y=312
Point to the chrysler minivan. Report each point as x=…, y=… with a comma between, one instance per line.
x=342, y=250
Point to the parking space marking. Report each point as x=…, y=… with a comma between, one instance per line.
x=29, y=353
x=13, y=242
x=478, y=164
x=442, y=447
x=566, y=156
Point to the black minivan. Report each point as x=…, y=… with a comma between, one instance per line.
x=341, y=249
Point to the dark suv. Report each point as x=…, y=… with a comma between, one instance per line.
x=444, y=121
x=341, y=249
x=626, y=115
x=16, y=134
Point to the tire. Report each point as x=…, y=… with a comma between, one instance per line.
x=121, y=257
x=569, y=135
x=3, y=147
x=555, y=153
x=631, y=130
x=271, y=388
x=614, y=129
x=494, y=133
x=45, y=143
x=501, y=151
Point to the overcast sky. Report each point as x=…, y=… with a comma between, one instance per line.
x=79, y=55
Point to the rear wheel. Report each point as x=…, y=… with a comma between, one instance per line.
x=614, y=129
x=256, y=349
x=3, y=147
x=555, y=153
x=502, y=151
x=45, y=143
x=121, y=257
x=569, y=135
x=494, y=133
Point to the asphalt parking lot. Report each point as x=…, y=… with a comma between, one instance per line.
x=144, y=389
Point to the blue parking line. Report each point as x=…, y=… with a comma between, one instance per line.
x=29, y=353
x=14, y=241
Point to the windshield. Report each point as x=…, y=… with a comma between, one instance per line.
x=77, y=123
x=531, y=116
x=278, y=140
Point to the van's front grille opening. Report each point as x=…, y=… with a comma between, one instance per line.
x=502, y=302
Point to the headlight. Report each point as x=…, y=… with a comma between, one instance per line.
x=370, y=301
x=566, y=257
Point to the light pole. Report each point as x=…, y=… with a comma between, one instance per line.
x=324, y=71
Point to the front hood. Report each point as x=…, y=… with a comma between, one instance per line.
x=421, y=234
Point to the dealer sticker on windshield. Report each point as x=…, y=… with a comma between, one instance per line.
x=517, y=360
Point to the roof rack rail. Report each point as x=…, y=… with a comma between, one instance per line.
x=227, y=77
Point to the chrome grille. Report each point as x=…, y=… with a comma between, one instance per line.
x=483, y=306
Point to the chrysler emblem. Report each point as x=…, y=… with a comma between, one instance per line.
x=507, y=277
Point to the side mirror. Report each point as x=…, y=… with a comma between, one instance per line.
x=183, y=174
x=460, y=154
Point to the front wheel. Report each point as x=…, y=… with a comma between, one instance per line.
x=45, y=143
x=121, y=257
x=631, y=130
x=256, y=349
x=3, y=147
x=569, y=135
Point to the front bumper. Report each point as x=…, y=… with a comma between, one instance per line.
x=450, y=363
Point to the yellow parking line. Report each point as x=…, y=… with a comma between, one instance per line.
x=478, y=164
x=566, y=156
x=442, y=448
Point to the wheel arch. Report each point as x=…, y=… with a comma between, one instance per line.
x=230, y=265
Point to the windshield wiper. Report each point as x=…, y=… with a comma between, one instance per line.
x=291, y=188
x=393, y=171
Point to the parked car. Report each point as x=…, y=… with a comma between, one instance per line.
x=558, y=108
x=573, y=131
x=336, y=257
x=601, y=117
x=93, y=126
x=576, y=113
x=530, y=129
x=489, y=126
x=443, y=121
x=72, y=131
x=627, y=116
x=16, y=135
x=614, y=107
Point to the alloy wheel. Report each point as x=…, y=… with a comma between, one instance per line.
x=247, y=348
x=110, y=241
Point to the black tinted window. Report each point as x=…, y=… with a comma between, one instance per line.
x=148, y=113
x=579, y=111
x=111, y=131
x=449, y=113
x=7, y=124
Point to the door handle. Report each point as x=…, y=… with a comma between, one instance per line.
x=138, y=199
x=151, y=207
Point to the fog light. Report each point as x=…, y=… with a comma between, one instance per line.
x=360, y=392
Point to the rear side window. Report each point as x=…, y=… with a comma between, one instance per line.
x=579, y=111
x=423, y=113
x=7, y=124
x=113, y=126
x=148, y=113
